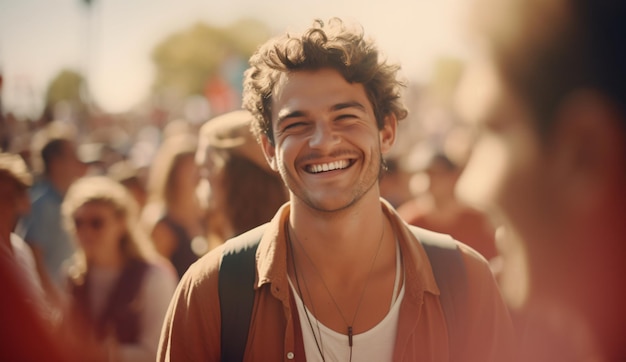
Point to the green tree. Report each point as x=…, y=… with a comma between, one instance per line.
x=186, y=60
x=65, y=86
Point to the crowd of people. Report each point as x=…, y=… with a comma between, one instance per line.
x=100, y=246
x=290, y=230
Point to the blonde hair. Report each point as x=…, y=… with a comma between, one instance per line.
x=104, y=190
x=14, y=166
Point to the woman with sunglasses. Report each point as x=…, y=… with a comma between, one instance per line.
x=119, y=288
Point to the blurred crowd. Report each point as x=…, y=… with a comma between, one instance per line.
x=102, y=238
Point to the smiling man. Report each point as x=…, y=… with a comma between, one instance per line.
x=336, y=275
x=549, y=166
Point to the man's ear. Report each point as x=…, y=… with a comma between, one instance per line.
x=388, y=133
x=269, y=151
x=588, y=148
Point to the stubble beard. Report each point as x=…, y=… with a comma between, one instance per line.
x=362, y=187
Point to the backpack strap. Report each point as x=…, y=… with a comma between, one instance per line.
x=450, y=273
x=236, y=292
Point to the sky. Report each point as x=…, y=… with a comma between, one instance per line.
x=111, y=40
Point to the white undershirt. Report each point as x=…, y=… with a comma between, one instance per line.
x=375, y=344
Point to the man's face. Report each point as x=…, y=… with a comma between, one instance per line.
x=328, y=148
x=507, y=177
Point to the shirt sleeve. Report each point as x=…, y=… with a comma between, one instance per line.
x=191, y=330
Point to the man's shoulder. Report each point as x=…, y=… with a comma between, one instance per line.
x=245, y=241
x=445, y=241
x=207, y=267
x=452, y=260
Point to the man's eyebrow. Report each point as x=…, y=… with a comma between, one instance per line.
x=344, y=105
x=293, y=114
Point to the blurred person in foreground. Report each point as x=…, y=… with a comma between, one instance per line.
x=26, y=336
x=15, y=179
x=337, y=274
x=119, y=287
x=28, y=324
x=56, y=153
x=173, y=214
x=549, y=166
x=242, y=190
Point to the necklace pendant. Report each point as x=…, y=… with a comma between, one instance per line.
x=350, y=336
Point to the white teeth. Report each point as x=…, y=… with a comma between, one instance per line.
x=337, y=165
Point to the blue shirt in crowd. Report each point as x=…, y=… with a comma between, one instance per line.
x=43, y=228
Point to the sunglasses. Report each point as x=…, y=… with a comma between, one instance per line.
x=95, y=223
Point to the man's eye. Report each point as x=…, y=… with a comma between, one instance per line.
x=294, y=125
x=346, y=116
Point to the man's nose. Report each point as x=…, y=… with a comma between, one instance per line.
x=323, y=136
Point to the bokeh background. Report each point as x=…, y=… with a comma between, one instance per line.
x=121, y=72
x=121, y=46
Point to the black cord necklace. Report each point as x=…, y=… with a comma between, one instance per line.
x=295, y=272
x=348, y=325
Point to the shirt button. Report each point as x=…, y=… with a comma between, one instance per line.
x=290, y=355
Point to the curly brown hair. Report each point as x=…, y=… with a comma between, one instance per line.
x=324, y=45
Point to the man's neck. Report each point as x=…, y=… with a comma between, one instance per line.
x=347, y=263
x=337, y=238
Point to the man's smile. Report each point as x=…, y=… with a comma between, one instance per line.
x=330, y=166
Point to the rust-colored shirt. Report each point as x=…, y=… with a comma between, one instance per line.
x=192, y=327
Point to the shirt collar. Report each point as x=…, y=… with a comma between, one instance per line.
x=271, y=257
